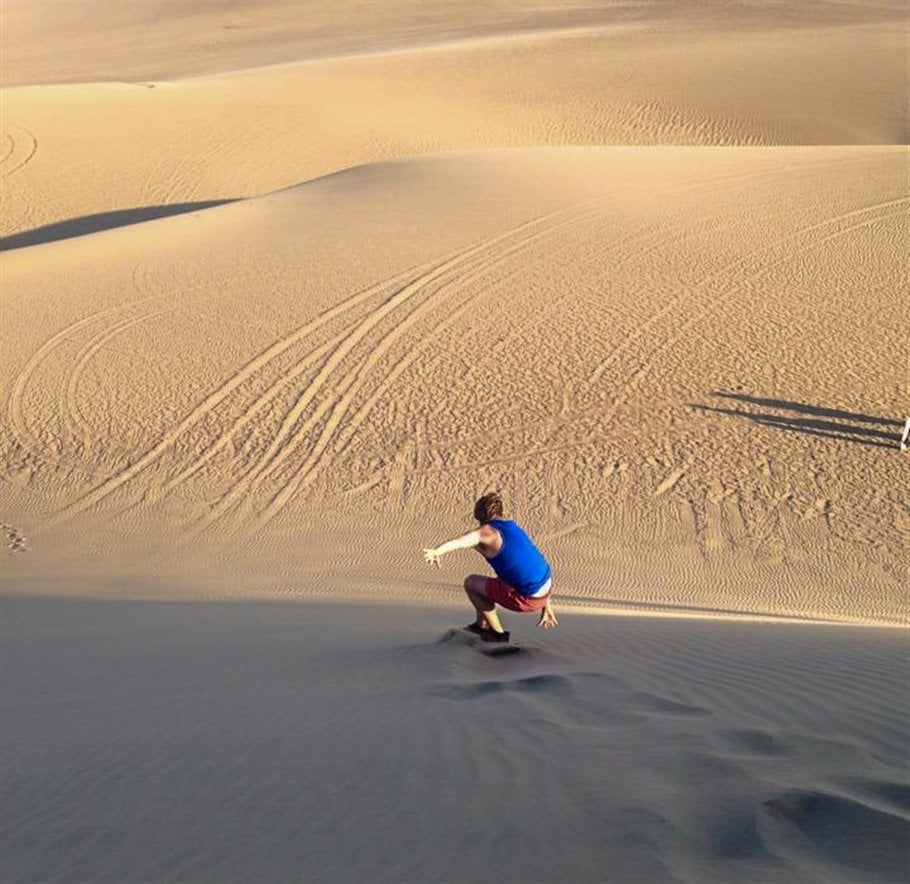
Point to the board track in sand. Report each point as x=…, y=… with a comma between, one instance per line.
x=666, y=331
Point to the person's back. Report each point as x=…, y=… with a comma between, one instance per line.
x=523, y=580
x=519, y=562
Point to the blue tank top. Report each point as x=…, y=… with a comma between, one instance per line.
x=519, y=563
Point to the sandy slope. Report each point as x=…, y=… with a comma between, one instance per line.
x=678, y=363
x=285, y=286
x=236, y=743
x=743, y=74
x=61, y=41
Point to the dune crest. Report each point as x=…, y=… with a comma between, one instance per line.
x=637, y=74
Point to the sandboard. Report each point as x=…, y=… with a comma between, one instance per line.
x=489, y=649
x=493, y=649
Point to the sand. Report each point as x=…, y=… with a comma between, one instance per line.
x=285, y=287
x=124, y=121
x=152, y=741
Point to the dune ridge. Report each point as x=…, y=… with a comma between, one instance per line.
x=161, y=39
x=661, y=78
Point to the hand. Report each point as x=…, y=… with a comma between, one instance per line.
x=547, y=618
x=431, y=556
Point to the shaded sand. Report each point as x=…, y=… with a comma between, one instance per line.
x=233, y=743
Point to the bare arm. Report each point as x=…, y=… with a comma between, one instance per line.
x=466, y=541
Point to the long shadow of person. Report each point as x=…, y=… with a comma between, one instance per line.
x=833, y=423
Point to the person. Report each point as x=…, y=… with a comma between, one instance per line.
x=523, y=580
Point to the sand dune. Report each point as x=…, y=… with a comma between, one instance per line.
x=642, y=367
x=85, y=149
x=90, y=40
x=285, y=286
x=244, y=742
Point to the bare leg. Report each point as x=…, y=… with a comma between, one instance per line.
x=487, y=618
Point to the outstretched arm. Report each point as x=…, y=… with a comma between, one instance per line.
x=466, y=541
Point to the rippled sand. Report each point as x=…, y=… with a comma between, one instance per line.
x=285, y=288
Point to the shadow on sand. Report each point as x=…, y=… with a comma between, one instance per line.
x=102, y=221
x=814, y=420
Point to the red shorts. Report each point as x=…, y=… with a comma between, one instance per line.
x=503, y=594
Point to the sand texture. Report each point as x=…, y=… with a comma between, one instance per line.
x=234, y=743
x=285, y=286
x=649, y=350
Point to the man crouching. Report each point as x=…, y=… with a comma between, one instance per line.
x=523, y=581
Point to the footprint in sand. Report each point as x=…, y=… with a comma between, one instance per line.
x=554, y=685
x=15, y=542
x=851, y=832
x=751, y=741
